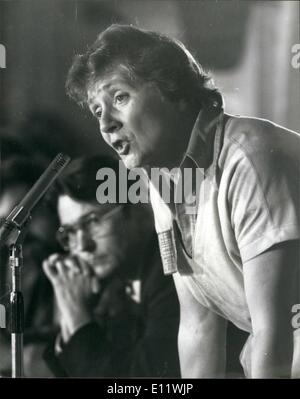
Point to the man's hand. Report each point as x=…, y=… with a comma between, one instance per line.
x=74, y=287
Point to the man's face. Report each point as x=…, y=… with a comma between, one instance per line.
x=135, y=119
x=97, y=238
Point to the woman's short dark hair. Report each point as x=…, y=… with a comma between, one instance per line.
x=148, y=56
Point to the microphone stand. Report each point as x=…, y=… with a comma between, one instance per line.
x=15, y=222
x=17, y=304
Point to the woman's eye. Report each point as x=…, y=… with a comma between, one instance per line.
x=98, y=113
x=92, y=219
x=120, y=98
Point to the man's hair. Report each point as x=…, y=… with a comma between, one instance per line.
x=148, y=57
x=78, y=180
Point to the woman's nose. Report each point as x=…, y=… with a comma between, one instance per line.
x=84, y=242
x=109, y=122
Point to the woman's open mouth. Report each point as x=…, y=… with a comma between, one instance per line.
x=122, y=147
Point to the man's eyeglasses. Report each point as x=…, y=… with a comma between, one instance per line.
x=95, y=224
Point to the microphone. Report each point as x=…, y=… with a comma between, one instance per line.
x=19, y=215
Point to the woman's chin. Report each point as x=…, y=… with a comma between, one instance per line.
x=133, y=160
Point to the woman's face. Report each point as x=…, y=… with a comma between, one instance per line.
x=141, y=125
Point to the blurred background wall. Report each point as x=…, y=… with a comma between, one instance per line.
x=245, y=44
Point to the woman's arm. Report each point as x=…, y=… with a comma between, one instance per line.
x=271, y=287
x=201, y=338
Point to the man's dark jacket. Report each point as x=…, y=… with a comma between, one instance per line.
x=132, y=339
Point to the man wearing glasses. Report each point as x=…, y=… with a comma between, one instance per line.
x=118, y=314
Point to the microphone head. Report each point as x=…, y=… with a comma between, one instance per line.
x=60, y=161
x=21, y=213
